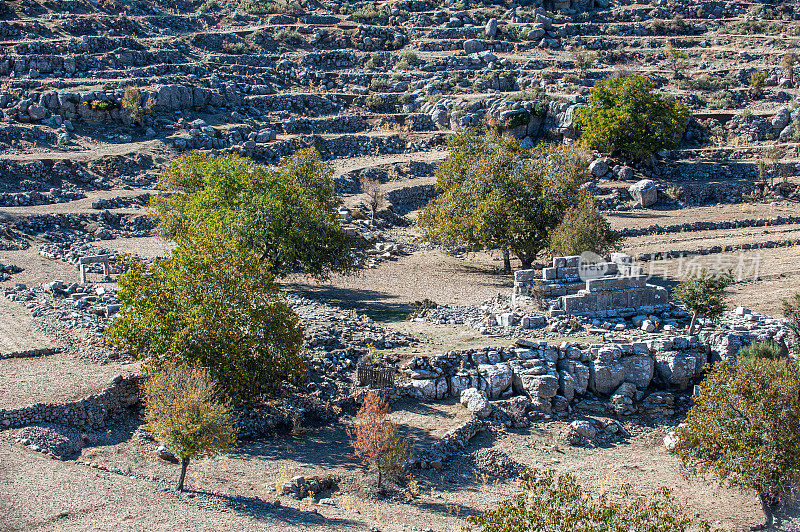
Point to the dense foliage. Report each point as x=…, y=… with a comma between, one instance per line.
x=181, y=409
x=287, y=214
x=791, y=311
x=583, y=229
x=703, y=295
x=744, y=427
x=495, y=194
x=212, y=305
x=765, y=349
x=559, y=504
x=626, y=116
x=375, y=439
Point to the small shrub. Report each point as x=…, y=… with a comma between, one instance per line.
x=132, y=105
x=100, y=105
x=271, y=7
x=549, y=501
x=375, y=439
x=375, y=103
x=235, y=48
x=289, y=36
x=408, y=60
x=182, y=411
x=764, y=350
x=791, y=311
x=210, y=5
x=758, y=80
x=583, y=229
x=703, y=295
x=380, y=85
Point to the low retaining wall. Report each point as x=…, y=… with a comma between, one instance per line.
x=94, y=412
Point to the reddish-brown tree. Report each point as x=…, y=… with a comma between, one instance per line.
x=375, y=439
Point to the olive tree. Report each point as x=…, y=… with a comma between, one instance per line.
x=624, y=115
x=495, y=194
x=744, y=427
x=211, y=305
x=286, y=214
x=184, y=413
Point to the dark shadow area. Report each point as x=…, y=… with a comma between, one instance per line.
x=260, y=509
x=324, y=447
x=658, y=280
x=379, y=306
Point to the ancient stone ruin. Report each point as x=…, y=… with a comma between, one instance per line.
x=612, y=289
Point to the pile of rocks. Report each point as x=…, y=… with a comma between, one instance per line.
x=494, y=464
x=56, y=441
x=595, y=432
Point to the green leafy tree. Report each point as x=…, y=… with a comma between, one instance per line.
x=184, y=414
x=496, y=195
x=287, y=214
x=791, y=311
x=212, y=305
x=583, y=229
x=558, y=503
x=626, y=116
x=703, y=295
x=744, y=427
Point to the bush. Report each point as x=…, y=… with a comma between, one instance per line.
x=559, y=503
x=183, y=413
x=703, y=295
x=289, y=36
x=583, y=229
x=235, y=48
x=375, y=439
x=791, y=311
x=132, y=105
x=764, y=350
x=744, y=427
x=271, y=7
x=215, y=306
x=625, y=116
x=408, y=60
x=375, y=103
x=100, y=105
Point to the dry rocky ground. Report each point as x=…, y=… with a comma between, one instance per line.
x=375, y=87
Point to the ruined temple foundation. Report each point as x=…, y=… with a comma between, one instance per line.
x=612, y=289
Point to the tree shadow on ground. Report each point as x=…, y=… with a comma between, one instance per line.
x=261, y=509
x=379, y=306
x=327, y=446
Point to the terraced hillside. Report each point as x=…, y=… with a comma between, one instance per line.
x=98, y=97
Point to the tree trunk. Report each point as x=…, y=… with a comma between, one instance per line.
x=184, y=467
x=691, y=325
x=768, y=506
x=506, y=261
x=380, y=478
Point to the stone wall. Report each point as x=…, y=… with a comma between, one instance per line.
x=607, y=289
x=94, y=412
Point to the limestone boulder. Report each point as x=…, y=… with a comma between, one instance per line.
x=476, y=402
x=604, y=377
x=639, y=370
x=676, y=369
x=644, y=192
x=498, y=378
